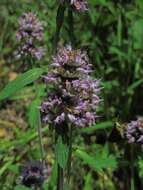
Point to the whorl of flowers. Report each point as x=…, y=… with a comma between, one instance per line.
x=72, y=97
x=32, y=175
x=30, y=36
x=78, y=5
x=135, y=131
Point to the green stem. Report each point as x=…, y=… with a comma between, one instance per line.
x=60, y=180
x=59, y=23
x=132, y=168
x=71, y=27
x=39, y=127
x=70, y=155
x=60, y=172
x=39, y=124
x=40, y=137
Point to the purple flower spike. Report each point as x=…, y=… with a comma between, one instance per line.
x=32, y=175
x=135, y=131
x=30, y=36
x=73, y=96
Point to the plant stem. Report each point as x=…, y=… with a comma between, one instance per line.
x=40, y=137
x=59, y=23
x=60, y=180
x=70, y=155
x=132, y=168
x=39, y=125
x=39, y=128
x=71, y=27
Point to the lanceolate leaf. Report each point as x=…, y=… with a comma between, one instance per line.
x=102, y=125
x=98, y=162
x=21, y=81
x=33, y=113
x=21, y=187
x=61, y=151
x=88, y=182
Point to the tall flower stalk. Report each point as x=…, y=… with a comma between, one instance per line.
x=134, y=136
x=72, y=96
x=30, y=38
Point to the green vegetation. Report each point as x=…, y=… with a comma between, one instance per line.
x=112, y=34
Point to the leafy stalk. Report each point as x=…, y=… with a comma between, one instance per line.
x=60, y=180
x=70, y=155
x=39, y=125
x=59, y=23
x=132, y=168
x=71, y=27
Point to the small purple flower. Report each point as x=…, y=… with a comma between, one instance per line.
x=30, y=36
x=135, y=131
x=78, y=5
x=32, y=175
x=73, y=94
x=71, y=118
x=60, y=118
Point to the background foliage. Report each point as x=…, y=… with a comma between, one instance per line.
x=112, y=34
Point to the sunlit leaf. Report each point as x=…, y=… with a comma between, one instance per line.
x=21, y=81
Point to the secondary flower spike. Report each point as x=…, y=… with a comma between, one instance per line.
x=135, y=131
x=30, y=36
x=32, y=175
x=78, y=5
x=73, y=94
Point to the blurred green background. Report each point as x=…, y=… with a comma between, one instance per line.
x=112, y=34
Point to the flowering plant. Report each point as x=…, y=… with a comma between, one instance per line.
x=72, y=97
x=30, y=36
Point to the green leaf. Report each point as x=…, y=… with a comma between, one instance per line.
x=97, y=162
x=14, y=168
x=140, y=4
x=21, y=81
x=33, y=113
x=21, y=187
x=117, y=51
x=133, y=86
x=61, y=151
x=88, y=182
x=53, y=176
x=136, y=33
x=103, y=125
x=5, y=166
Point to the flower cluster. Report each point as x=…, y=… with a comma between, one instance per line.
x=33, y=174
x=135, y=131
x=78, y=5
x=72, y=95
x=29, y=36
